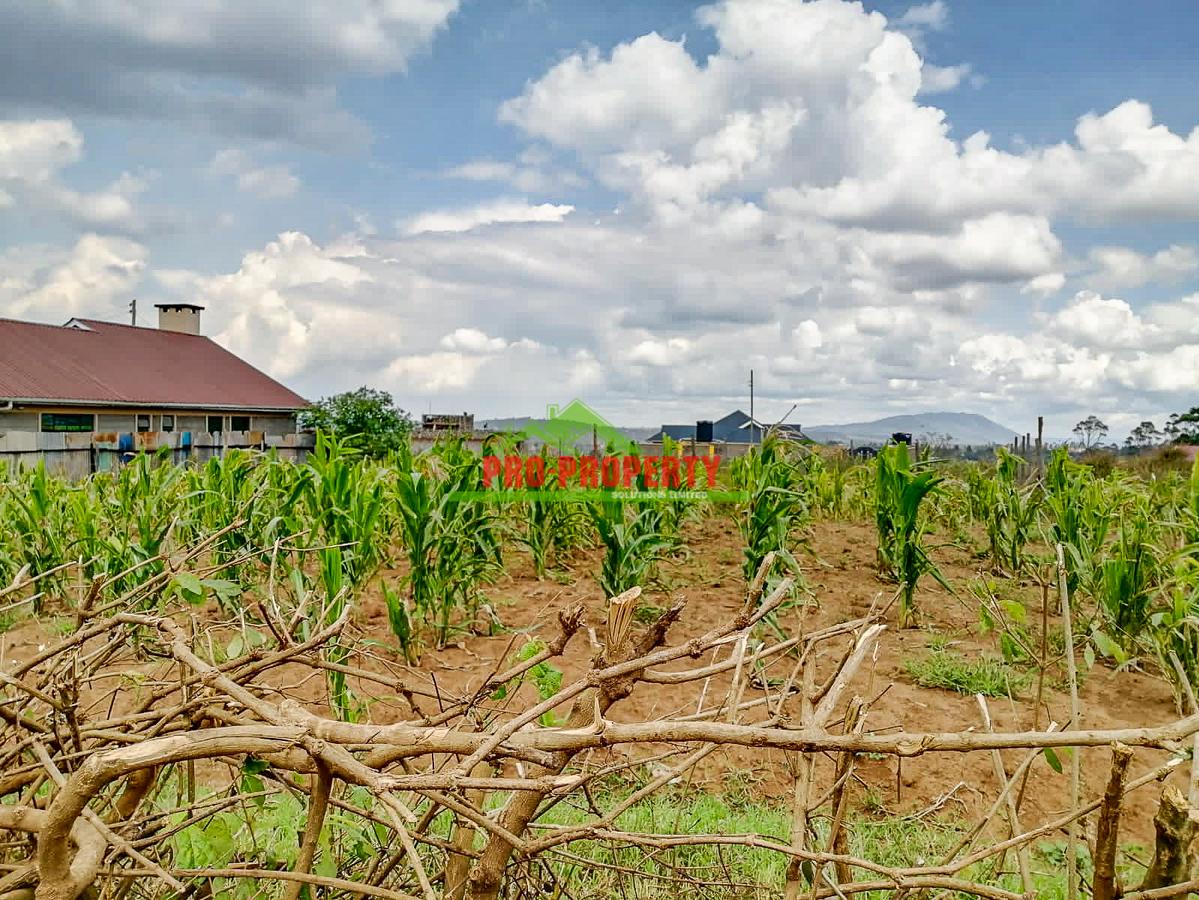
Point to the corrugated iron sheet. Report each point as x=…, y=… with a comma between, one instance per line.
x=121, y=364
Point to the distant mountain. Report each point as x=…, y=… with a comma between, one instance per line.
x=940, y=427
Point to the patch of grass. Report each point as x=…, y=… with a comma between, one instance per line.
x=731, y=872
x=938, y=641
x=953, y=672
x=872, y=802
x=712, y=872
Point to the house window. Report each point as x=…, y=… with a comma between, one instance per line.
x=143, y=423
x=168, y=423
x=216, y=424
x=239, y=423
x=68, y=422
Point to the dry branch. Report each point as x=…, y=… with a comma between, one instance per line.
x=101, y=761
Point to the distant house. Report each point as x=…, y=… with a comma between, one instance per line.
x=101, y=377
x=452, y=422
x=735, y=428
x=576, y=426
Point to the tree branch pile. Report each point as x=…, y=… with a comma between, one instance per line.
x=129, y=733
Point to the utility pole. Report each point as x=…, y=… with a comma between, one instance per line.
x=133, y=311
x=1040, y=445
x=753, y=423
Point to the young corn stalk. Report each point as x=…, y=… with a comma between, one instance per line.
x=1079, y=513
x=1124, y=582
x=549, y=525
x=343, y=497
x=34, y=524
x=1176, y=624
x=450, y=537
x=632, y=541
x=1013, y=513
x=403, y=627
x=776, y=507
x=901, y=488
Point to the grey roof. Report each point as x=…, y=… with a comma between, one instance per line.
x=733, y=428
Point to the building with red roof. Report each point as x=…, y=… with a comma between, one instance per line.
x=106, y=378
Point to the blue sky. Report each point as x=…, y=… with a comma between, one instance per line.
x=494, y=205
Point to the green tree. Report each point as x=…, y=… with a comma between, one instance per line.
x=368, y=418
x=1090, y=431
x=1145, y=435
x=1183, y=428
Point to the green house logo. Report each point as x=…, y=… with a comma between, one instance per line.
x=577, y=426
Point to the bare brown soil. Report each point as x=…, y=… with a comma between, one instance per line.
x=840, y=575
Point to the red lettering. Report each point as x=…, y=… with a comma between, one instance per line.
x=491, y=468
x=513, y=469
x=649, y=468
x=712, y=463
x=690, y=462
x=631, y=466
x=534, y=471
x=589, y=473
x=567, y=466
x=610, y=471
x=670, y=472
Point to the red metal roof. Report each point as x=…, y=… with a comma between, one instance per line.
x=108, y=364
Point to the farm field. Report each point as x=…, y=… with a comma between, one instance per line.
x=357, y=678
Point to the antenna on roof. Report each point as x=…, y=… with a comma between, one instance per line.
x=133, y=311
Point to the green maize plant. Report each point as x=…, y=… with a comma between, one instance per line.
x=452, y=543
x=776, y=508
x=537, y=533
x=405, y=630
x=1175, y=630
x=473, y=551
x=342, y=497
x=238, y=487
x=950, y=509
x=1126, y=578
x=420, y=520
x=336, y=589
x=551, y=528
x=34, y=521
x=1176, y=624
x=981, y=493
x=1078, y=510
x=145, y=504
x=548, y=525
x=859, y=492
x=1013, y=513
x=824, y=481
x=86, y=525
x=901, y=489
x=572, y=530
x=676, y=511
x=1191, y=528
x=633, y=545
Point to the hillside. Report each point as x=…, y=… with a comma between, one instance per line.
x=960, y=428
